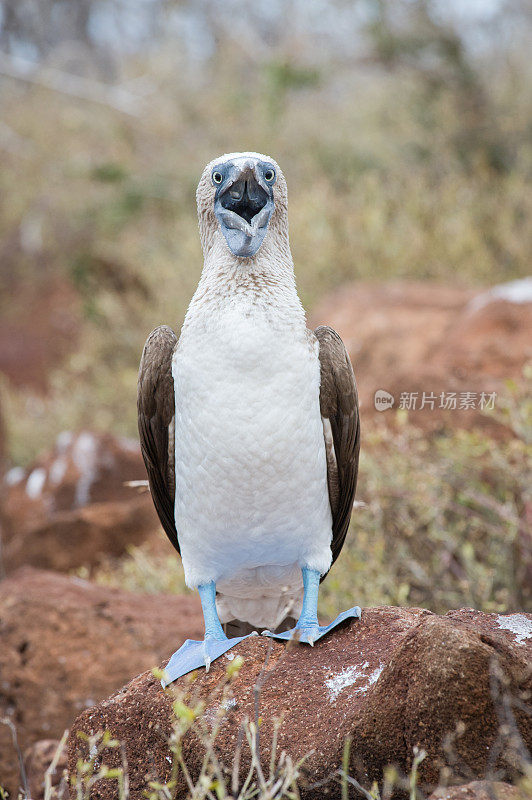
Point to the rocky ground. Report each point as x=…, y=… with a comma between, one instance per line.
x=67, y=644
x=457, y=686
x=399, y=679
x=77, y=504
x=419, y=337
x=29, y=352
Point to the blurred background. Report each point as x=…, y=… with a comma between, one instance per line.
x=404, y=129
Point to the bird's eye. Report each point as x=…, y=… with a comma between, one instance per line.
x=217, y=177
x=269, y=175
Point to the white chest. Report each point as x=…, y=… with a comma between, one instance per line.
x=251, y=487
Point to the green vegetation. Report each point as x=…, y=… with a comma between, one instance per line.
x=441, y=526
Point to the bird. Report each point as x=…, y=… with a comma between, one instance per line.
x=249, y=425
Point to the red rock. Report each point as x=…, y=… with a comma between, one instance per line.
x=67, y=643
x=85, y=536
x=441, y=692
x=2, y=487
x=523, y=559
x=406, y=337
x=38, y=328
x=480, y=790
x=492, y=340
x=72, y=507
x=398, y=679
x=2, y=447
x=38, y=761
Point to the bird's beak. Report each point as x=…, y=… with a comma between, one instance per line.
x=243, y=206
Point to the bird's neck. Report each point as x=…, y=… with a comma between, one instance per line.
x=262, y=284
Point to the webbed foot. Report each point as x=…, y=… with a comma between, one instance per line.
x=193, y=655
x=310, y=633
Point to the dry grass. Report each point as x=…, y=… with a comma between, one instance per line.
x=396, y=183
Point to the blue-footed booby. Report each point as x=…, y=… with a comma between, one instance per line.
x=249, y=424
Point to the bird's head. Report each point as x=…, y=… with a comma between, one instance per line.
x=241, y=196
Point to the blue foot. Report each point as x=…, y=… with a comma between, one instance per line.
x=192, y=655
x=312, y=633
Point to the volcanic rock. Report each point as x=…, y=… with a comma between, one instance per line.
x=396, y=682
x=39, y=327
x=38, y=760
x=480, y=790
x=74, y=506
x=67, y=643
x=433, y=342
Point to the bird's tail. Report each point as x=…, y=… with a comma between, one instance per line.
x=245, y=606
x=236, y=627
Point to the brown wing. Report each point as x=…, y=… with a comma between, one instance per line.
x=156, y=410
x=339, y=405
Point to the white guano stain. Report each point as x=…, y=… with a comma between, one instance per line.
x=35, y=483
x=14, y=476
x=57, y=470
x=519, y=291
x=84, y=456
x=63, y=441
x=517, y=624
x=349, y=676
x=131, y=445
